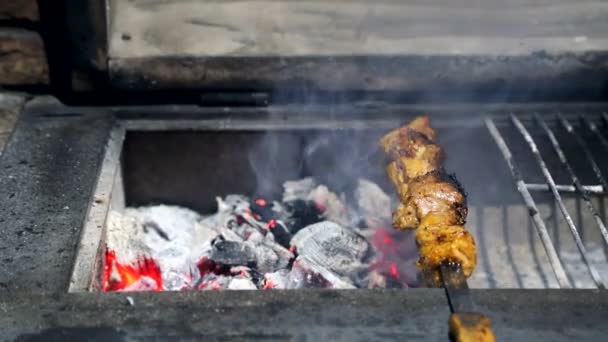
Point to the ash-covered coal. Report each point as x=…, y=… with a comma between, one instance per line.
x=311, y=238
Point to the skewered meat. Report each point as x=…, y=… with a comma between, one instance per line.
x=431, y=201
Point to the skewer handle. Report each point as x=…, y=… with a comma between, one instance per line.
x=471, y=327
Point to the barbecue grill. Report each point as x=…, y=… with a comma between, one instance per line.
x=525, y=132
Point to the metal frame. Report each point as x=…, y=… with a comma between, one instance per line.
x=584, y=191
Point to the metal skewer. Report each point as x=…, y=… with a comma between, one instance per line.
x=466, y=325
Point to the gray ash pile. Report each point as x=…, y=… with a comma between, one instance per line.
x=311, y=238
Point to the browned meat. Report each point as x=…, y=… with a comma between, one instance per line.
x=431, y=201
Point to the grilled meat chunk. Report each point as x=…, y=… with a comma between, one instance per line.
x=431, y=201
x=440, y=243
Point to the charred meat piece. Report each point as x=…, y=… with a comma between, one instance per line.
x=431, y=193
x=431, y=201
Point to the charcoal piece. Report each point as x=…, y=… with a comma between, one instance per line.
x=252, y=234
x=229, y=235
x=331, y=205
x=263, y=209
x=213, y=281
x=306, y=273
x=374, y=204
x=281, y=233
x=267, y=259
x=300, y=214
x=332, y=246
x=241, y=284
x=243, y=271
x=298, y=190
x=231, y=253
x=284, y=254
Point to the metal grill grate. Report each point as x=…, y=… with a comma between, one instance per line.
x=572, y=129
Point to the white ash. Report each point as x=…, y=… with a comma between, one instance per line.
x=374, y=204
x=241, y=284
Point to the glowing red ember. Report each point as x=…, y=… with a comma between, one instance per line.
x=396, y=252
x=394, y=271
x=272, y=224
x=261, y=202
x=118, y=277
x=269, y=284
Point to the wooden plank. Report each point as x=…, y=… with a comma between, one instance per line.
x=22, y=58
x=19, y=10
x=143, y=28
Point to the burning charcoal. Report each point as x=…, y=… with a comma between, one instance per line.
x=273, y=214
x=162, y=233
x=332, y=246
x=395, y=257
x=331, y=205
x=300, y=214
x=306, y=273
x=213, y=282
x=276, y=280
x=242, y=271
x=374, y=204
x=142, y=284
x=241, y=284
x=298, y=190
x=263, y=209
x=228, y=252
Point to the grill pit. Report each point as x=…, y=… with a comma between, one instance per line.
x=154, y=162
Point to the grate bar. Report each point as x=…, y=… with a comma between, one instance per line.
x=585, y=148
x=577, y=184
x=595, y=130
x=558, y=198
x=556, y=264
x=592, y=189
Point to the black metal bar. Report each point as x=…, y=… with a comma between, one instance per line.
x=596, y=132
x=577, y=184
x=556, y=264
x=585, y=148
x=558, y=198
